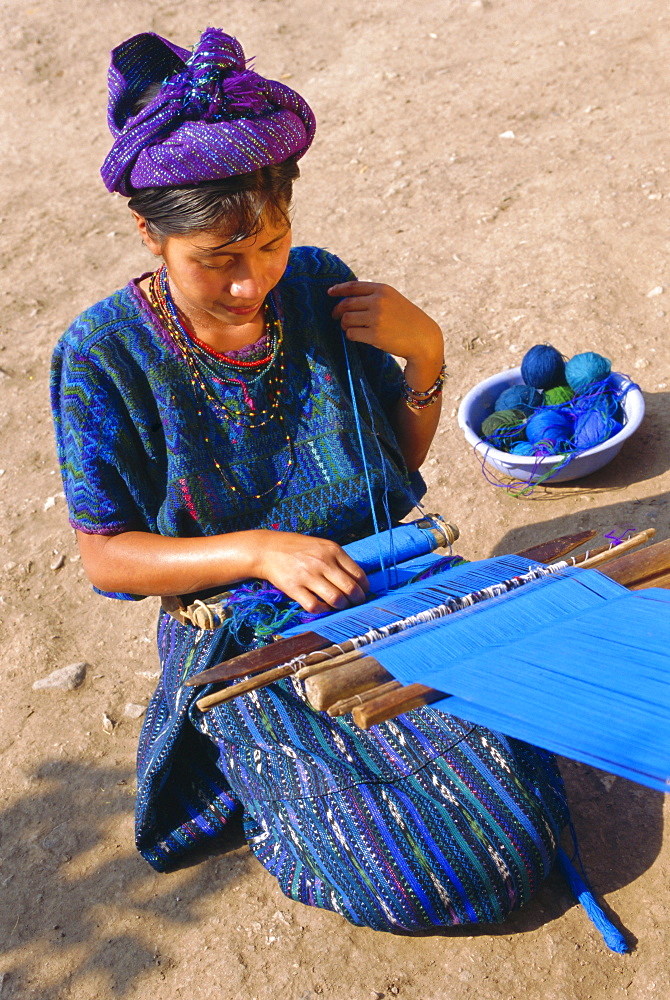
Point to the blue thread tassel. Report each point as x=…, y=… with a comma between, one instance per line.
x=612, y=937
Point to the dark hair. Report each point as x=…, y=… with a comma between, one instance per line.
x=233, y=206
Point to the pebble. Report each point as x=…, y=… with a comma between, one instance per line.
x=107, y=724
x=64, y=679
x=134, y=711
x=642, y=363
x=655, y=291
x=507, y=135
x=58, y=562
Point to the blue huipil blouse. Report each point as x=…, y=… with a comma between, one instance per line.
x=139, y=448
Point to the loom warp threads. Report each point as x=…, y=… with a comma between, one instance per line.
x=560, y=409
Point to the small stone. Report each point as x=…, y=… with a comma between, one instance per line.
x=134, y=711
x=642, y=363
x=58, y=562
x=507, y=135
x=658, y=290
x=107, y=724
x=64, y=679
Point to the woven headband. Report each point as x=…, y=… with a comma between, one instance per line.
x=212, y=117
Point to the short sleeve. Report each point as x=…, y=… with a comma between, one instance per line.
x=95, y=439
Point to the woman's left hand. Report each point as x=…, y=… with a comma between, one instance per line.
x=379, y=315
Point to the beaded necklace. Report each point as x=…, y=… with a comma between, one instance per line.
x=204, y=363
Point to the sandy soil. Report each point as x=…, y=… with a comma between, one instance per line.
x=557, y=233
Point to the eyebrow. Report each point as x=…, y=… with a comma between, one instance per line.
x=226, y=248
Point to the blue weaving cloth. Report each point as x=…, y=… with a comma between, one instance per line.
x=422, y=821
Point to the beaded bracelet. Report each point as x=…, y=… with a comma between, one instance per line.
x=418, y=400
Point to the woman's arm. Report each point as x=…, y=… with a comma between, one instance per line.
x=379, y=315
x=315, y=572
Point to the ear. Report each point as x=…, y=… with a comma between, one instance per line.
x=149, y=241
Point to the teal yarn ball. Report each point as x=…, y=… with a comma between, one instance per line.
x=503, y=428
x=558, y=395
x=523, y=397
x=549, y=425
x=586, y=369
x=543, y=367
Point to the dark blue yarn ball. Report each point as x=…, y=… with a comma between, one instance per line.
x=517, y=397
x=586, y=369
x=549, y=425
x=543, y=367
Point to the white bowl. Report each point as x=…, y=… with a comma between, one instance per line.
x=479, y=404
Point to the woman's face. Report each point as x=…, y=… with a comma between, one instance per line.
x=225, y=283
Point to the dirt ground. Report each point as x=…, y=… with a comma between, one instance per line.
x=504, y=163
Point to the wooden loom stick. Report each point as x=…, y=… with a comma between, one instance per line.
x=548, y=552
x=255, y=661
x=348, y=704
x=617, y=551
x=633, y=569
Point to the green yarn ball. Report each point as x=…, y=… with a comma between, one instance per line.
x=558, y=395
x=504, y=427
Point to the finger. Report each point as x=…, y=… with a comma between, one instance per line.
x=354, y=288
x=351, y=305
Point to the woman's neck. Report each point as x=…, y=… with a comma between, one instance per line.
x=221, y=337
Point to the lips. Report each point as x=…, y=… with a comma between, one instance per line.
x=243, y=310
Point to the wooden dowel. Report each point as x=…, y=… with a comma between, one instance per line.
x=344, y=682
x=616, y=551
x=252, y=684
x=348, y=704
x=396, y=703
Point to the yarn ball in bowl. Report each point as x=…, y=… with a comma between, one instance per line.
x=504, y=427
x=550, y=425
x=543, y=367
x=592, y=427
x=557, y=395
x=523, y=397
x=584, y=370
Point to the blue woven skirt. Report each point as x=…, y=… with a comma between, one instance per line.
x=420, y=822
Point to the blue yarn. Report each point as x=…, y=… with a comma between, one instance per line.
x=543, y=367
x=519, y=397
x=594, y=426
x=550, y=424
x=612, y=937
x=585, y=369
x=523, y=448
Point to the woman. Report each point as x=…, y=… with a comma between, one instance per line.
x=208, y=435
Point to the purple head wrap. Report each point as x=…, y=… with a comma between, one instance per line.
x=212, y=118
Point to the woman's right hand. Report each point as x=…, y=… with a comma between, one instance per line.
x=315, y=572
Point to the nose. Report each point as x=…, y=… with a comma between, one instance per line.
x=246, y=281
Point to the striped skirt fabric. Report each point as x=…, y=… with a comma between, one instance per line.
x=420, y=822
